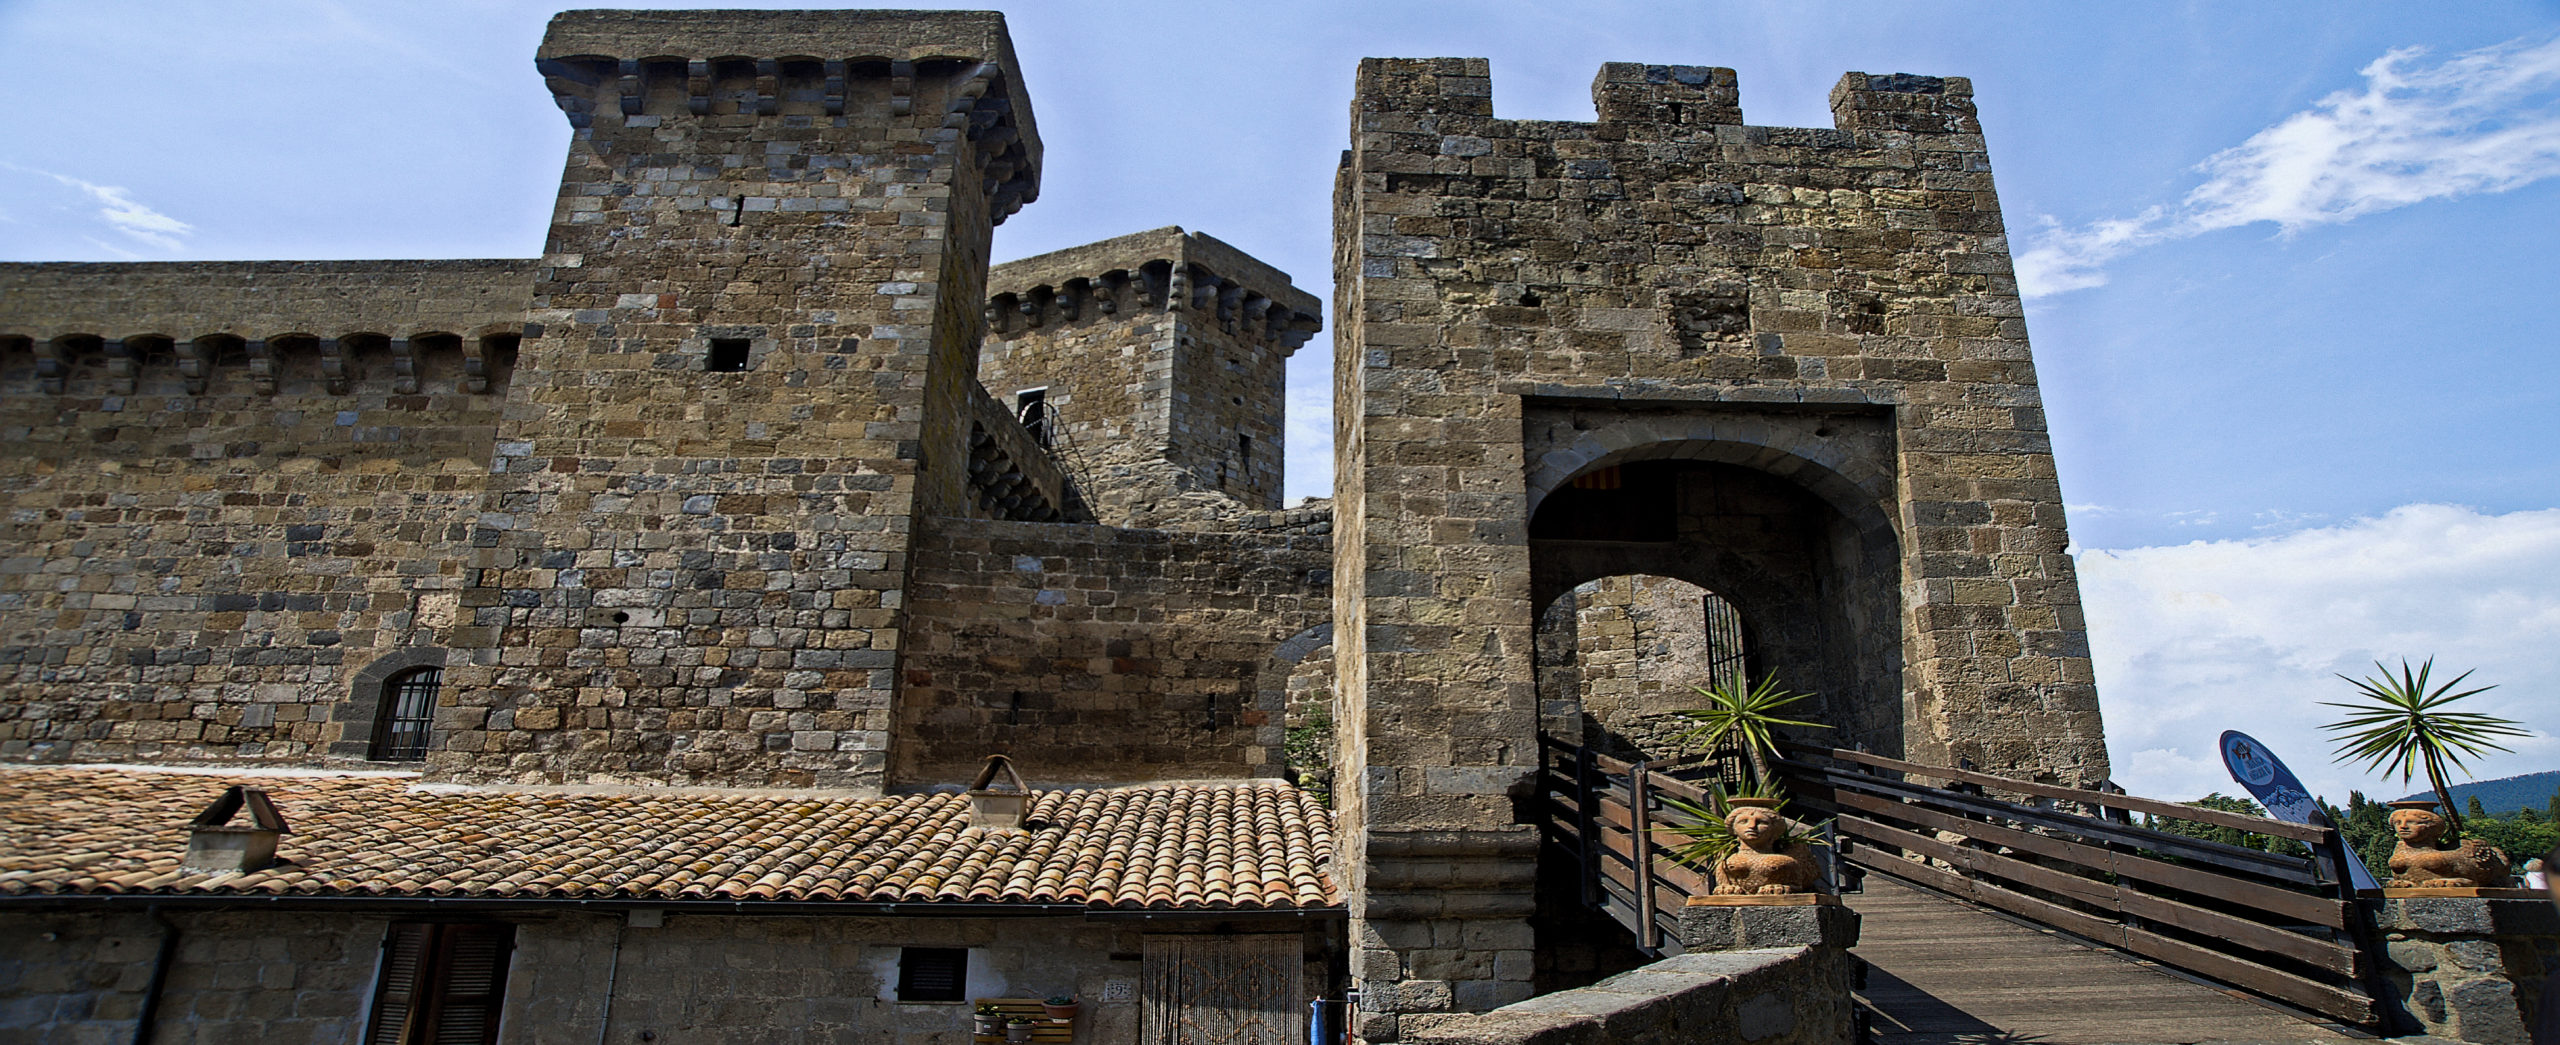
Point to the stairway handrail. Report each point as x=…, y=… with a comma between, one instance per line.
x=2305, y=833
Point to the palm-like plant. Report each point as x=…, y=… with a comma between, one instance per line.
x=2404, y=725
x=1746, y=718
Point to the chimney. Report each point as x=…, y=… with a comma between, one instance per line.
x=998, y=803
x=214, y=844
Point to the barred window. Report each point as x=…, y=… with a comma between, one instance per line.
x=408, y=709
x=442, y=983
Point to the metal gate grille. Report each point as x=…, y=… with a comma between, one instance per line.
x=1724, y=644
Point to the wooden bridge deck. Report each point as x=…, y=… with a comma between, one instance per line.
x=1944, y=973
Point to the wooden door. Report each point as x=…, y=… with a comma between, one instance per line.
x=1223, y=990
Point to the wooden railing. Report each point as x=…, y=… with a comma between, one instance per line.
x=2282, y=926
x=1613, y=818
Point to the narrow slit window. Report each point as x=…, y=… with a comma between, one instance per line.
x=408, y=711
x=1031, y=405
x=933, y=973
x=1244, y=452
x=728, y=355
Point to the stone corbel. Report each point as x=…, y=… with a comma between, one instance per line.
x=835, y=86
x=630, y=86
x=333, y=366
x=475, y=365
x=1106, y=299
x=1257, y=316
x=404, y=367
x=1032, y=313
x=1071, y=300
x=262, y=367
x=52, y=371
x=1177, y=291
x=1230, y=298
x=191, y=368
x=902, y=88
x=768, y=86
x=119, y=357
x=697, y=87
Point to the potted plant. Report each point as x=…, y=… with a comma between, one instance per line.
x=1060, y=1007
x=1017, y=1029
x=1743, y=717
x=2406, y=726
x=989, y=1020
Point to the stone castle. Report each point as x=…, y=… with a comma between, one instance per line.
x=762, y=477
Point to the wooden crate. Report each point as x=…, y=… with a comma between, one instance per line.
x=1043, y=1029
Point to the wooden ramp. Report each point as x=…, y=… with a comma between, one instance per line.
x=1942, y=973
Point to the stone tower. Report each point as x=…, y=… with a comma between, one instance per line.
x=1786, y=365
x=1156, y=361
x=756, y=319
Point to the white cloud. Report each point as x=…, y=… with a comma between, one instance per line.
x=2482, y=121
x=121, y=212
x=2250, y=634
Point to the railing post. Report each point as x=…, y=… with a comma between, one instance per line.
x=2371, y=956
x=1648, y=935
x=1586, y=798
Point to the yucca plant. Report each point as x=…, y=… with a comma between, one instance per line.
x=1743, y=717
x=2404, y=725
x=1711, y=839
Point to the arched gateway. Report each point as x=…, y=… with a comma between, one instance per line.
x=1785, y=365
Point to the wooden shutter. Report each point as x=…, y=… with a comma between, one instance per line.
x=1223, y=990
x=443, y=983
x=473, y=984
x=404, y=952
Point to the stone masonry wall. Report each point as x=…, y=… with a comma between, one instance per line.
x=2470, y=969
x=1093, y=654
x=302, y=978
x=688, y=572
x=1666, y=254
x=213, y=528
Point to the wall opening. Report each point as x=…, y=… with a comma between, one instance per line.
x=728, y=355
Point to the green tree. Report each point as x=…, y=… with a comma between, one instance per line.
x=2475, y=809
x=2226, y=835
x=2403, y=725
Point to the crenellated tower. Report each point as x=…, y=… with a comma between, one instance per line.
x=1154, y=365
x=747, y=375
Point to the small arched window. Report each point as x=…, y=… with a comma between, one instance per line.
x=408, y=709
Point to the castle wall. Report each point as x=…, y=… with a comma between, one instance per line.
x=693, y=566
x=205, y=546
x=1664, y=256
x=1093, y=654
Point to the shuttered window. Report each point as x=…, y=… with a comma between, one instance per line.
x=442, y=983
x=933, y=973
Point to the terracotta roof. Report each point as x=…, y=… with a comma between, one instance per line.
x=87, y=831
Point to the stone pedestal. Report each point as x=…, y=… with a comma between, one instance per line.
x=1730, y=923
x=2470, y=967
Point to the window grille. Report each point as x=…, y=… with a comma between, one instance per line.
x=408, y=710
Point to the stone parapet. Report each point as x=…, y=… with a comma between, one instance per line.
x=264, y=300
x=1762, y=996
x=2470, y=969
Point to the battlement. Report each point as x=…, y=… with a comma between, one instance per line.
x=1629, y=93
x=337, y=323
x=954, y=72
x=1164, y=268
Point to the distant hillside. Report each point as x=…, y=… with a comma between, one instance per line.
x=2506, y=794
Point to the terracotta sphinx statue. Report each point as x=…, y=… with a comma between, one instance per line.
x=2420, y=861
x=1766, y=861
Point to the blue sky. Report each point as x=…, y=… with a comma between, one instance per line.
x=2293, y=263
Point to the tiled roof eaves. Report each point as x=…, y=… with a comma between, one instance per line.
x=1217, y=848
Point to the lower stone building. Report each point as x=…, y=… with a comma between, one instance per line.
x=392, y=910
